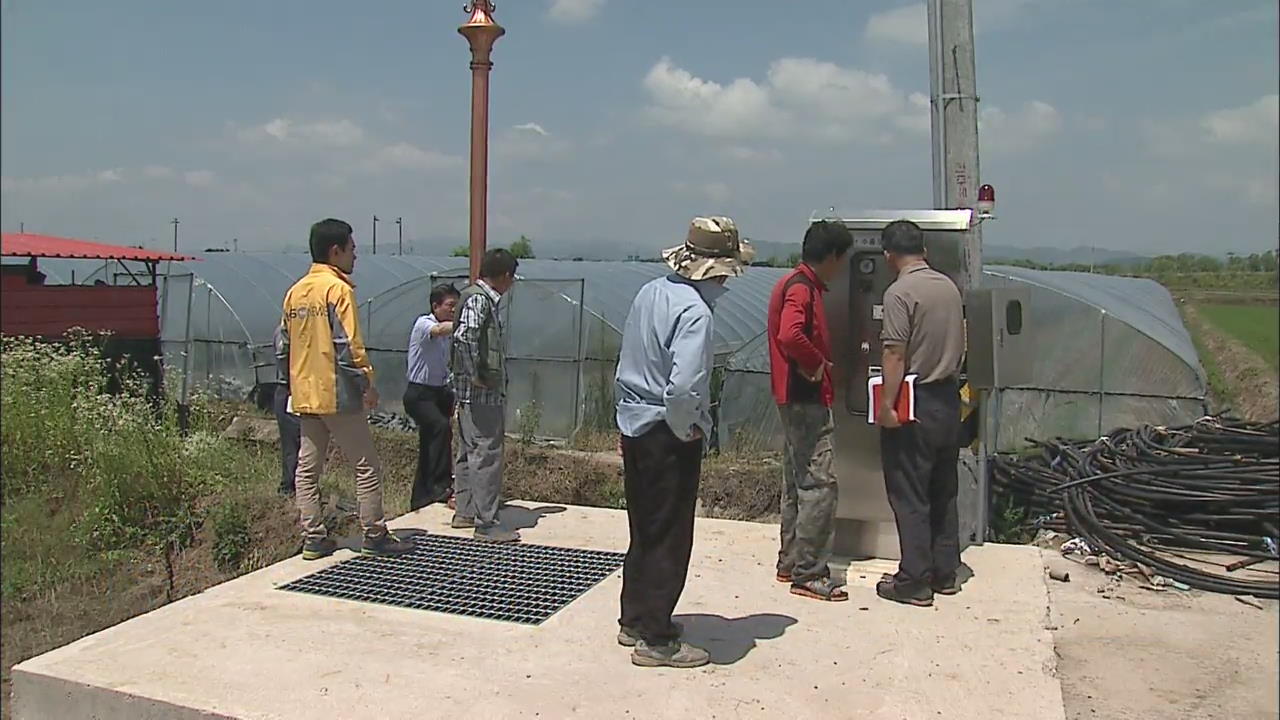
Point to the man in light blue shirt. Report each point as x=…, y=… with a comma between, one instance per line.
x=428, y=399
x=663, y=386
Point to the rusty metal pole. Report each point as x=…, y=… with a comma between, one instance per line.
x=481, y=32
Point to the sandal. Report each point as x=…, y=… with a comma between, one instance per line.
x=784, y=576
x=820, y=589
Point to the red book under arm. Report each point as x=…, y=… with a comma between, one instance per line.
x=906, y=404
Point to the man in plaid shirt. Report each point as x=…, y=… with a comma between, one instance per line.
x=479, y=379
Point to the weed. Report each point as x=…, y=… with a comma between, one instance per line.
x=1009, y=523
x=231, y=538
x=528, y=422
x=90, y=477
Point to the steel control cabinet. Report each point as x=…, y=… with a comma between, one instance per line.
x=865, y=526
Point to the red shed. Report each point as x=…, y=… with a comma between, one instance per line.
x=127, y=311
x=30, y=307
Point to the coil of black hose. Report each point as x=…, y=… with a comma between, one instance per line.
x=1141, y=493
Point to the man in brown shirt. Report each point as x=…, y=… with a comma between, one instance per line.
x=923, y=334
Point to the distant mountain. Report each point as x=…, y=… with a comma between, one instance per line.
x=1061, y=256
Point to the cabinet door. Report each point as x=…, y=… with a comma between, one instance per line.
x=998, y=352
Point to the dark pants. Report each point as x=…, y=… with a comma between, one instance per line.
x=920, y=478
x=661, y=476
x=290, y=438
x=431, y=408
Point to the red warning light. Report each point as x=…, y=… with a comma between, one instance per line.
x=986, y=200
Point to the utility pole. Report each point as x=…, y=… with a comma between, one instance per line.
x=953, y=99
x=481, y=32
x=375, y=234
x=400, y=232
x=174, y=223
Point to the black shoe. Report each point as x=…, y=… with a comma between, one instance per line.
x=316, y=549
x=386, y=545
x=920, y=596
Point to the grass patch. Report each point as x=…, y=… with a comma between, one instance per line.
x=1257, y=327
x=107, y=510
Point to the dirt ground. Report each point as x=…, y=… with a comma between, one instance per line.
x=1162, y=655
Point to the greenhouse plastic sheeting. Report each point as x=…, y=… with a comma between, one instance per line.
x=1113, y=350
x=1117, y=334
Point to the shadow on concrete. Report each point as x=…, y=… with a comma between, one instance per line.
x=729, y=640
x=514, y=517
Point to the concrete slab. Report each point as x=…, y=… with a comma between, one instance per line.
x=245, y=650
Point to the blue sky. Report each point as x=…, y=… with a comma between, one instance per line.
x=615, y=121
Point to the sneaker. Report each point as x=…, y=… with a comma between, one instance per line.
x=496, y=534
x=823, y=589
x=386, y=545
x=947, y=586
x=316, y=549
x=628, y=637
x=891, y=589
x=462, y=523
x=674, y=655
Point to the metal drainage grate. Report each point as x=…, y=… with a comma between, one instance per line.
x=516, y=583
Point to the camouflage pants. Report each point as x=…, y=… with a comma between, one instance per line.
x=808, y=492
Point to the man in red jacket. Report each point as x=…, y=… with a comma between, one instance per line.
x=800, y=364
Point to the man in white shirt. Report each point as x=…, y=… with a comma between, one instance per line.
x=428, y=399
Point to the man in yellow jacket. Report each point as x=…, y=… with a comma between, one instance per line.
x=331, y=385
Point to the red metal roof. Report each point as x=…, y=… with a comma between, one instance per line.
x=47, y=246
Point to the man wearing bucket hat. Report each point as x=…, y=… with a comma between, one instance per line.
x=664, y=414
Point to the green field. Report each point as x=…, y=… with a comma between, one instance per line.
x=1256, y=326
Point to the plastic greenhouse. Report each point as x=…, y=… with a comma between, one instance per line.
x=1114, y=350
x=564, y=322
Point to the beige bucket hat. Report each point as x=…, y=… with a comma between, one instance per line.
x=711, y=249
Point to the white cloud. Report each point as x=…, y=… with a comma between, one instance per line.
x=574, y=11
x=740, y=109
x=799, y=97
x=532, y=127
x=323, y=133
x=1254, y=124
x=406, y=156
x=63, y=183
x=908, y=24
x=199, y=178
x=529, y=141
x=1022, y=129
x=1257, y=190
